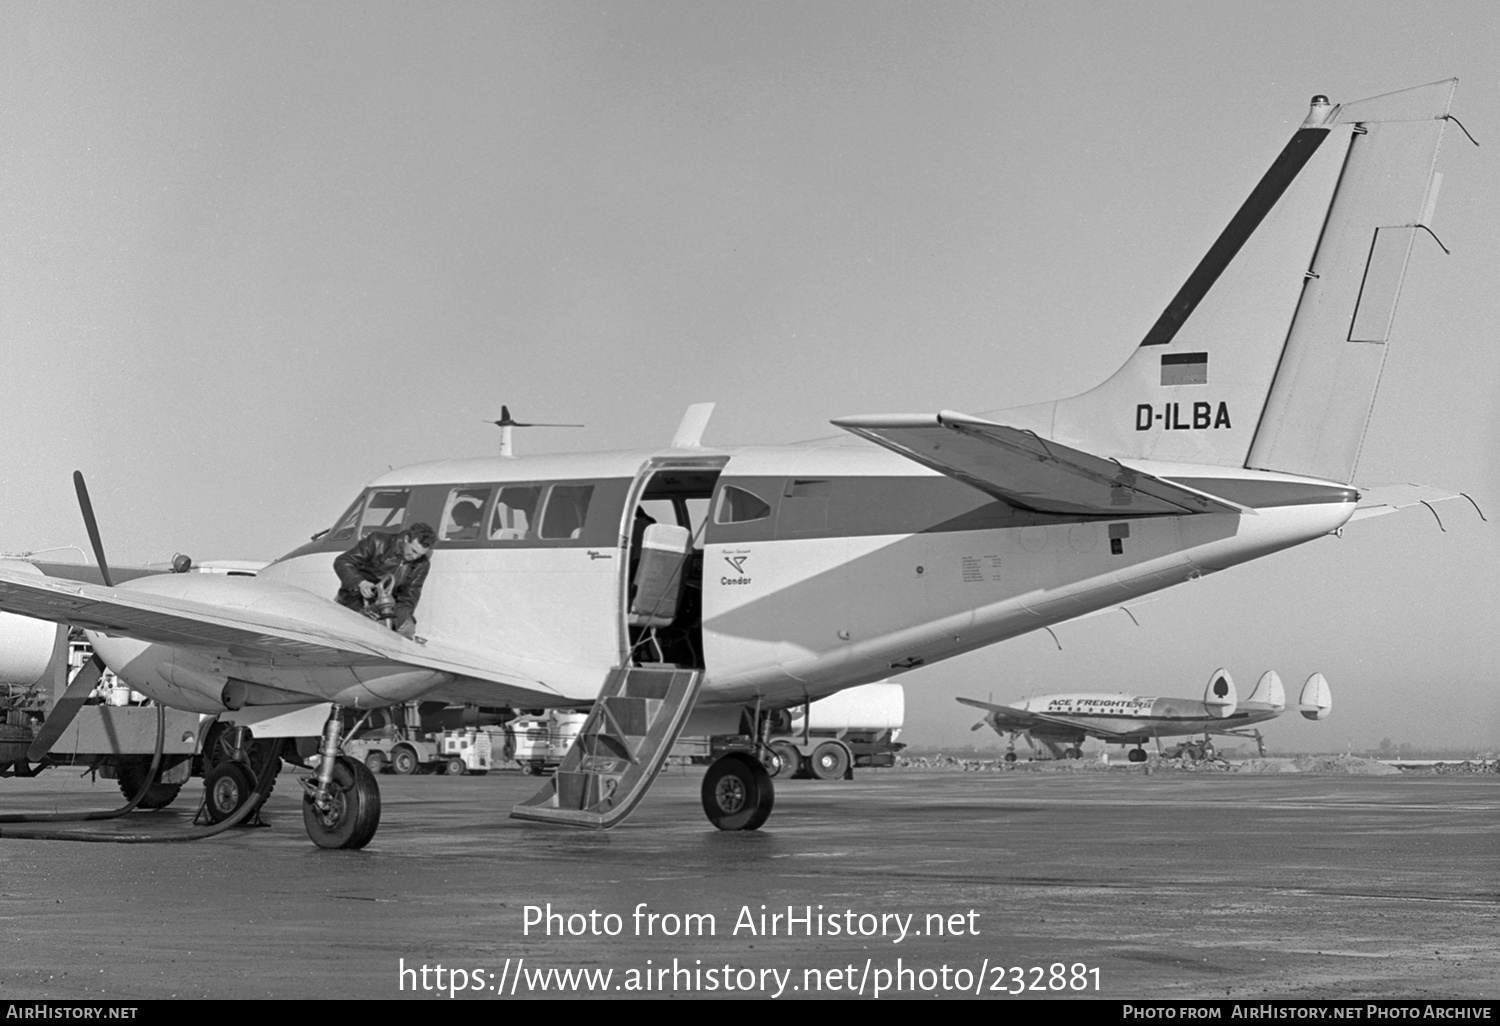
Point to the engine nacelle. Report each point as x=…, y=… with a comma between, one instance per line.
x=26, y=645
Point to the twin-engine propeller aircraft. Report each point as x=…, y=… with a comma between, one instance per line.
x=1059, y=723
x=773, y=576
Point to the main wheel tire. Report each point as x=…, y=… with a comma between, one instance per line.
x=830, y=761
x=227, y=786
x=1073, y=753
x=133, y=776
x=264, y=754
x=737, y=792
x=404, y=762
x=1137, y=755
x=455, y=767
x=1010, y=756
x=353, y=812
x=375, y=762
x=791, y=759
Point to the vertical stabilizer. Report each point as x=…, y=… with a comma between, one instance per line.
x=1220, y=695
x=1268, y=355
x=1320, y=403
x=1269, y=692
x=1316, y=700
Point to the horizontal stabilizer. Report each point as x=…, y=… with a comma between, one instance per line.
x=1268, y=693
x=1220, y=695
x=1026, y=470
x=1316, y=701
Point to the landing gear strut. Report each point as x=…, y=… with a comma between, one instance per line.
x=341, y=806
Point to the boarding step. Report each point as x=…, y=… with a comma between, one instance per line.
x=622, y=746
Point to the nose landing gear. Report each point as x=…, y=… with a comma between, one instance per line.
x=341, y=803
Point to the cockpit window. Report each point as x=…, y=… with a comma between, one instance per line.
x=386, y=511
x=343, y=528
x=567, y=508
x=463, y=513
x=515, y=510
x=737, y=506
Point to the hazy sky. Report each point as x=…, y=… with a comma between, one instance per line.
x=251, y=255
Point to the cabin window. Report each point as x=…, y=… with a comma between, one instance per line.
x=737, y=506
x=567, y=508
x=386, y=511
x=515, y=511
x=463, y=513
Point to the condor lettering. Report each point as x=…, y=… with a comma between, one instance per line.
x=1182, y=416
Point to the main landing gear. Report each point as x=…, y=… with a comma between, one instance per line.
x=737, y=792
x=341, y=803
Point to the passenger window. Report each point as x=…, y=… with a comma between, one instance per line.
x=514, y=511
x=567, y=508
x=343, y=529
x=386, y=511
x=737, y=506
x=462, y=513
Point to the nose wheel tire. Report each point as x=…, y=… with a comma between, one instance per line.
x=738, y=793
x=227, y=786
x=353, y=811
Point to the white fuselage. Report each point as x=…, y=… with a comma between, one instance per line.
x=845, y=565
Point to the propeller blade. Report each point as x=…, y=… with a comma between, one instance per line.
x=92, y=525
x=65, y=708
x=976, y=726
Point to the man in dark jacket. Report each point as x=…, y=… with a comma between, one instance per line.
x=401, y=556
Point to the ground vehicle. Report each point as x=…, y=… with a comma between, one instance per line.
x=543, y=739
x=385, y=742
x=831, y=736
x=826, y=739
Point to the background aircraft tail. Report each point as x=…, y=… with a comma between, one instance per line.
x=1220, y=695
x=1268, y=692
x=1269, y=355
x=1316, y=701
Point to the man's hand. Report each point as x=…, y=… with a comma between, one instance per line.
x=367, y=589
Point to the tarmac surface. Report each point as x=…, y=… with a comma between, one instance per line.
x=1071, y=883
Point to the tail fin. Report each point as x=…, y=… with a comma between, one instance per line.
x=1268, y=692
x=1316, y=701
x=1220, y=695
x=1269, y=355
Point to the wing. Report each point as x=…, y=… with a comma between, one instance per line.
x=248, y=619
x=1007, y=717
x=1026, y=470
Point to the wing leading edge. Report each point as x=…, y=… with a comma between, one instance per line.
x=1026, y=470
x=305, y=630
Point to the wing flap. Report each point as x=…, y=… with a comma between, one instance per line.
x=1028, y=471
